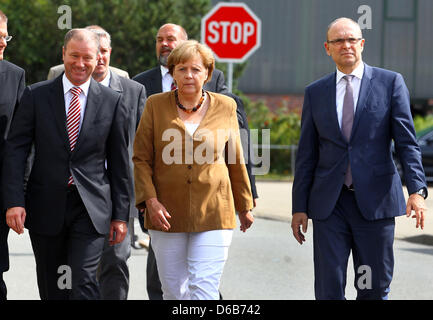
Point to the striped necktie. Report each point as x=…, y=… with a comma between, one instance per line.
x=73, y=120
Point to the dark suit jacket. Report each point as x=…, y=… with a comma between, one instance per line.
x=152, y=80
x=12, y=84
x=382, y=115
x=245, y=139
x=41, y=118
x=133, y=99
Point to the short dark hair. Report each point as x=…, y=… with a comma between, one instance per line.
x=3, y=17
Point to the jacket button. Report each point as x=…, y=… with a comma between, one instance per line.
x=190, y=167
x=189, y=181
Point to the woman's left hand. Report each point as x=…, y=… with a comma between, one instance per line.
x=246, y=218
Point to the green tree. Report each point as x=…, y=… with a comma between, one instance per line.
x=133, y=24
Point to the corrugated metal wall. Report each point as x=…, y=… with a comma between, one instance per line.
x=293, y=32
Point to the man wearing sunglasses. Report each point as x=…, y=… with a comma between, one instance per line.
x=12, y=83
x=345, y=178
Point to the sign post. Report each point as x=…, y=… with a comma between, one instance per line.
x=233, y=32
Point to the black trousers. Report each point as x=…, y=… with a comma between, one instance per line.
x=66, y=263
x=154, y=287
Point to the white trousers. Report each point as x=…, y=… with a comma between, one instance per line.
x=190, y=264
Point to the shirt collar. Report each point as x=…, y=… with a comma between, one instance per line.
x=358, y=72
x=106, y=81
x=67, y=85
x=164, y=71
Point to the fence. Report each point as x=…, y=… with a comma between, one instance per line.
x=274, y=159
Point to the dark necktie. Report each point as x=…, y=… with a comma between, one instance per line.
x=347, y=123
x=73, y=120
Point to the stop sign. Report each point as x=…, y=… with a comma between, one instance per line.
x=232, y=31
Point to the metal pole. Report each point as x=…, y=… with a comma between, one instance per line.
x=230, y=76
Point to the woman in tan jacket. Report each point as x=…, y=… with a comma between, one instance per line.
x=190, y=177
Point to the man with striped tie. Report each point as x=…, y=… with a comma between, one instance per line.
x=72, y=199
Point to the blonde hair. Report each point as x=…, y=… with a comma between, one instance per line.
x=188, y=50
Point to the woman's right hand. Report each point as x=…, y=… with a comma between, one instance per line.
x=158, y=214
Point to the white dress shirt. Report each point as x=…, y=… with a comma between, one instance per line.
x=191, y=127
x=167, y=79
x=341, y=89
x=106, y=81
x=67, y=85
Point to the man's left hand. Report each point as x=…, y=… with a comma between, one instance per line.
x=416, y=203
x=119, y=230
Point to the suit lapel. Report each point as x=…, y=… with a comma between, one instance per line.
x=115, y=83
x=57, y=103
x=331, y=101
x=156, y=81
x=2, y=80
x=364, y=93
x=92, y=106
x=2, y=67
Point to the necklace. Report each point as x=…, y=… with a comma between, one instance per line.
x=193, y=109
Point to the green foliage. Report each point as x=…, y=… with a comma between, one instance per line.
x=422, y=123
x=37, y=46
x=37, y=42
x=285, y=128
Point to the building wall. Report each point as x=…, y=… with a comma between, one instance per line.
x=292, y=53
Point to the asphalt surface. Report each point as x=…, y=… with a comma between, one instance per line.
x=265, y=263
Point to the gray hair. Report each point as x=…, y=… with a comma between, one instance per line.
x=81, y=35
x=101, y=32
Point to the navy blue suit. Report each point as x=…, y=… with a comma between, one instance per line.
x=382, y=115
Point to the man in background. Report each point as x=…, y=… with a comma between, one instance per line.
x=56, y=71
x=113, y=272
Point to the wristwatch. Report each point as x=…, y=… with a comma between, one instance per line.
x=422, y=192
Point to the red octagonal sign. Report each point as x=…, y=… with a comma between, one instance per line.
x=232, y=31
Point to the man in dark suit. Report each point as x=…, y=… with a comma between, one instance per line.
x=246, y=141
x=78, y=189
x=12, y=84
x=157, y=80
x=345, y=178
x=113, y=271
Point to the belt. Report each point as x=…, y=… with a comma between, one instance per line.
x=349, y=188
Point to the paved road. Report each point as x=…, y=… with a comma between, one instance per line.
x=265, y=262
